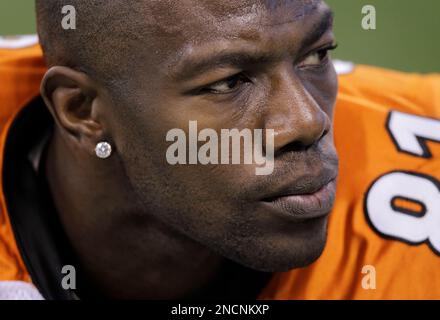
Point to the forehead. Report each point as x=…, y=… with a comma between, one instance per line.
x=194, y=17
x=159, y=34
x=173, y=26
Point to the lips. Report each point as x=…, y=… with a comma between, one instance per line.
x=305, y=198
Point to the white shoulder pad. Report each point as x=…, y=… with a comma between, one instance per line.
x=343, y=67
x=18, y=290
x=18, y=42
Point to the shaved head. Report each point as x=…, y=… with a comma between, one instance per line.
x=108, y=31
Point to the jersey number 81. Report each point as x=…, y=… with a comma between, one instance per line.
x=405, y=205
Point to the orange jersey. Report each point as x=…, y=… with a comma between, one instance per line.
x=21, y=71
x=384, y=231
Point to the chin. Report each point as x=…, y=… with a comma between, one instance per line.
x=283, y=252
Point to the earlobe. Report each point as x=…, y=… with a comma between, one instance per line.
x=71, y=97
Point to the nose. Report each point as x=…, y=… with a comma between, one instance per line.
x=296, y=118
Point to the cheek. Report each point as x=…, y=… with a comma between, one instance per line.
x=142, y=147
x=324, y=88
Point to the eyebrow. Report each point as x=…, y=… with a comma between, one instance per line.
x=324, y=24
x=219, y=60
x=195, y=66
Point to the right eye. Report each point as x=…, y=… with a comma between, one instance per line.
x=227, y=85
x=318, y=57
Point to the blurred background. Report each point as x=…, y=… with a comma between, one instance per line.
x=407, y=35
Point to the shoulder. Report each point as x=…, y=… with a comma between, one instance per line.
x=384, y=112
x=379, y=88
x=21, y=70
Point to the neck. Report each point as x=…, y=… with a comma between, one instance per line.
x=121, y=250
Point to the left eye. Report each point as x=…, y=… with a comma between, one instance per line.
x=316, y=58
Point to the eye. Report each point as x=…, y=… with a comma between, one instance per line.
x=317, y=58
x=227, y=85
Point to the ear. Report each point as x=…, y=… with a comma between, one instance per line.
x=72, y=98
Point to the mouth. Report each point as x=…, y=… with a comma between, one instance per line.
x=311, y=200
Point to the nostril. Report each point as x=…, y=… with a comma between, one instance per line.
x=301, y=145
x=326, y=131
x=294, y=146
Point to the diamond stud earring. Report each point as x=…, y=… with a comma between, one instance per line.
x=103, y=150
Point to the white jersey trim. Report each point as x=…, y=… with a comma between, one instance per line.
x=343, y=67
x=18, y=42
x=19, y=290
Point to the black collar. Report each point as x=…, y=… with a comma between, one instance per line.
x=37, y=229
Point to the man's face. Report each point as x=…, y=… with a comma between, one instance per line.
x=234, y=64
